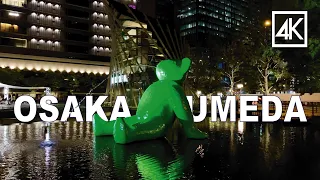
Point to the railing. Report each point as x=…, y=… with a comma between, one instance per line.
x=311, y=109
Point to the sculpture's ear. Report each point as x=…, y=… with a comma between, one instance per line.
x=185, y=65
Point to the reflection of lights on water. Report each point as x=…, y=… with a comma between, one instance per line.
x=5, y=139
x=47, y=136
x=47, y=141
x=5, y=133
x=304, y=133
x=241, y=138
x=240, y=127
x=47, y=155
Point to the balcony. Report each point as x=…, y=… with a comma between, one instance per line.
x=41, y=32
x=45, y=45
x=100, y=51
x=98, y=6
x=100, y=18
x=103, y=30
x=44, y=20
x=101, y=41
x=44, y=7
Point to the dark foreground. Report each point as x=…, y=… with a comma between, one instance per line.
x=233, y=151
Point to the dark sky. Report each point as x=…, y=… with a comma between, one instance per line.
x=285, y=5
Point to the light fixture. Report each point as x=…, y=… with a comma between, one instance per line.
x=267, y=23
x=239, y=86
x=15, y=14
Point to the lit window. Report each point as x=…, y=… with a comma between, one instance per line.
x=5, y=27
x=19, y=3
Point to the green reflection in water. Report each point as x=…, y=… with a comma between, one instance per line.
x=155, y=159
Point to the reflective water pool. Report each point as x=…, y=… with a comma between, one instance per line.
x=233, y=151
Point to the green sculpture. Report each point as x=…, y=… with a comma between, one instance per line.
x=160, y=105
x=154, y=159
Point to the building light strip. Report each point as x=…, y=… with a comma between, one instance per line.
x=58, y=68
x=15, y=14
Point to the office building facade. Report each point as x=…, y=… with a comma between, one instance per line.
x=201, y=19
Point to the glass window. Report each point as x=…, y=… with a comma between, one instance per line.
x=15, y=42
x=4, y=27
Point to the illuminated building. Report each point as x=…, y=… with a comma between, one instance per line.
x=200, y=19
x=71, y=36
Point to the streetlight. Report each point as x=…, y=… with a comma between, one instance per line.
x=267, y=23
x=198, y=93
x=240, y=86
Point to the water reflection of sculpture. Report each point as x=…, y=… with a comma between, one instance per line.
x=160, y=105
x=155, y=159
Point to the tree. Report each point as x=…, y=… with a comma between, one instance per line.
x=233, y=57
x=271, y=67
x=203, y=76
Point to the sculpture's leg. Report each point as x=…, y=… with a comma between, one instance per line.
x=130, y=129
x=102, y=127
x=192, y=131
x=121, y=131
x=181, y=108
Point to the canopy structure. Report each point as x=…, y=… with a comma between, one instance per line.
x=20, y=87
